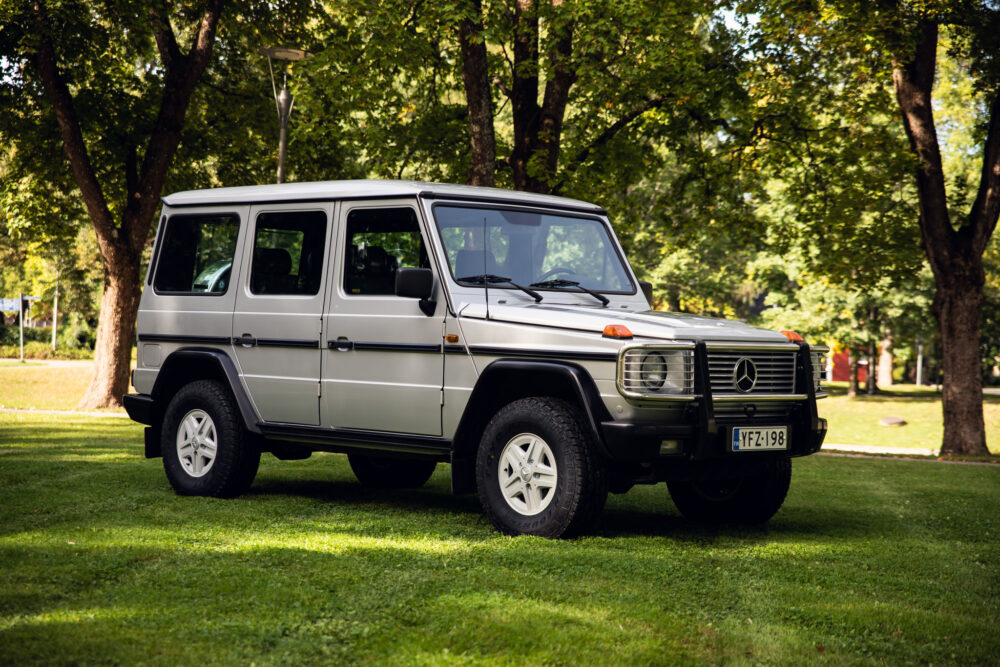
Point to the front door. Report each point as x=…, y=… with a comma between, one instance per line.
x=277, y=324
x=383, y=361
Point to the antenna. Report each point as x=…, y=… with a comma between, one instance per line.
x=486, y=281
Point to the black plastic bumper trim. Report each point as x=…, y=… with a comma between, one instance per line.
x=139, y=407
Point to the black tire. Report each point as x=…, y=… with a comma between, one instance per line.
x=752, y=499
x=579, y=487
x=234, y=461
x=383, y=472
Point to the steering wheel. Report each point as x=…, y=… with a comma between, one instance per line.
x=558, y=269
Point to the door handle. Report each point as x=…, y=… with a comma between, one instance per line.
x=342, y=344
x=246, y=340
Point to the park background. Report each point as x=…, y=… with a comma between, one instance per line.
x=757, y=159
x=756, y=163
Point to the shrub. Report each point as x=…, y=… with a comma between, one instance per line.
x=39, y=350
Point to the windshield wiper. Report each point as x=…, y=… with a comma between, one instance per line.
x=572, y=283
x=489, y=278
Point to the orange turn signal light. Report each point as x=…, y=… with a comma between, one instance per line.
x=792, y=336
x=617, y=331
x=451, y=338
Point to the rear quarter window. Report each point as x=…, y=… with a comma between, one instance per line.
x=197, y=254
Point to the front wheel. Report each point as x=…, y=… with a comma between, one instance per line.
x=750, y=499
x=536, y=470
x=205, y=449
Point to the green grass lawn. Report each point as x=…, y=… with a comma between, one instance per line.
x=869, y=561
x=855, y=421
x=37, y=386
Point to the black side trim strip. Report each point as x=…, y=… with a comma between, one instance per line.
x=181, y=338
x=430, y=194
x=396, y=347
x=287, y=342
x=454, y=349
x=337, y=438
x=542, y=354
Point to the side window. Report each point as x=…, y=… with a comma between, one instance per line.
x=380, y=241
x=288, y=253
x=197, y=254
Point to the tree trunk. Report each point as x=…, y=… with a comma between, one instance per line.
x=852, y=375
x=524, y=95
x=872, y=379
x=955, y=255
x=115, y=333
x=478, y=96
x=958, y=309
x=538, y=129
x=885, y=362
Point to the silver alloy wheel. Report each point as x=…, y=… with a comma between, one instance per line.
x=527, y=474
x=196, y=443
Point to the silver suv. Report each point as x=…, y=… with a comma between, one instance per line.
x=407, y=324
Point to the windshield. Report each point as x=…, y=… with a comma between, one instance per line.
x=529, y=248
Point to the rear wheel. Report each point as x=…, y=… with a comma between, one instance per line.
x=750, y=499
x=536, y=470
x=389, y=473
x=205, y=449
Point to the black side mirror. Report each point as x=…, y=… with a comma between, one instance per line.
x=415, y=283
x=647, y=290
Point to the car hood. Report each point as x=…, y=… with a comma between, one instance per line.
x=642, y=324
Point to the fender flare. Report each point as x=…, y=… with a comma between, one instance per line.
x=496, y=386
x=195, y=363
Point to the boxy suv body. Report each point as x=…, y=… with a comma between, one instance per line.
x=407, y=324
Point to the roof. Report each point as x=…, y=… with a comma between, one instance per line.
x=367, y=189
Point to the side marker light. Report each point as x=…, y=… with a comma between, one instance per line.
x=792, y=336
x=617, y=331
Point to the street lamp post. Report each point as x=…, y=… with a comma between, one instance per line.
x=283, y=99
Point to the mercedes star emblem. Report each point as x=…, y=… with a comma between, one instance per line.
x=745, y=375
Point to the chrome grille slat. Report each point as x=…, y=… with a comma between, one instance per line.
x=775, y=371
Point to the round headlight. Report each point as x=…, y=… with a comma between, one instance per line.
x=653, y=371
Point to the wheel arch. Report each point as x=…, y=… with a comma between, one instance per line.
x=190, y=365
x=507, y=380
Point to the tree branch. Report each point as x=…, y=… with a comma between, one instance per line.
x=557, y=88
x=180, y=79
x=913, y=81
x=986, y=208
x=166, y=42
x=609, y=132
x=69, y=127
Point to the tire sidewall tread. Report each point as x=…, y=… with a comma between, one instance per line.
x=236, y=460
x=581, y=488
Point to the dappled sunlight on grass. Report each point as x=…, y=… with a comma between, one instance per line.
x=870, y=560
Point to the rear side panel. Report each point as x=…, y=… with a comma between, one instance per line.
x=171, y=319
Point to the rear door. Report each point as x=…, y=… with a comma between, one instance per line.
x=277, y=324
x=383, y=364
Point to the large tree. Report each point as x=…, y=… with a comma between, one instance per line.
x=116, y=101
x=844, y=65
x=67, y=46
x=955, y=251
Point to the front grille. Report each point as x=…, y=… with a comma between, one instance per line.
x=775, y=371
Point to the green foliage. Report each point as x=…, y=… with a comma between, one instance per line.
x=40, y=350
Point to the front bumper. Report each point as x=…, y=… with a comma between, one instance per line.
x=699, y=436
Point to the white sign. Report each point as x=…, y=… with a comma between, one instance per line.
x=9, y=305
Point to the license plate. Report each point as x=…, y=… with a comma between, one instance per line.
x=759, y=438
